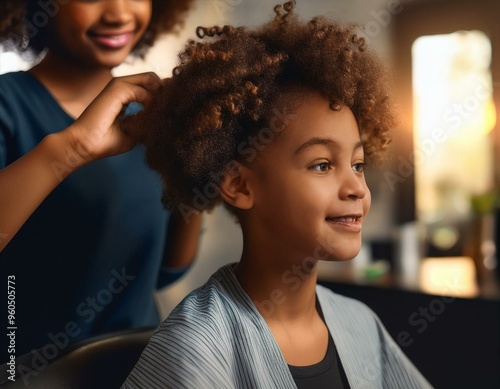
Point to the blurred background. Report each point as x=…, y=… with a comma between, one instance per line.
x=429, y=264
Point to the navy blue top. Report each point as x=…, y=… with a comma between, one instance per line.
x=89, y=259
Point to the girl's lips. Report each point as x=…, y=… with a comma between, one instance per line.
x=113, y=41
x=351, y=223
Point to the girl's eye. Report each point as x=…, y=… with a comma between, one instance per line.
x=321, y=167
x=359, y=167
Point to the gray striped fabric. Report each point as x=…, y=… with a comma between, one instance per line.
x=215, y=339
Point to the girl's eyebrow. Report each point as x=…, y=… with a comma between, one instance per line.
x=358, y=145
x=314, y=142
x=323, y=142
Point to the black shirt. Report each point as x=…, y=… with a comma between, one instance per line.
x=327, y=373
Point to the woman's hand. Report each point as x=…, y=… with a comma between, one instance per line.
x=98, y=132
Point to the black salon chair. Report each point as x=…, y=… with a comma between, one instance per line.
x=101, y=362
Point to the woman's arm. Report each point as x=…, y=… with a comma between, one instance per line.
x=25, y=183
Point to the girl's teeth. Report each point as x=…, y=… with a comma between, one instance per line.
x=345, y=219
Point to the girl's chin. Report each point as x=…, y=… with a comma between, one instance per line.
x=336, y=255
x=339, y=259
x=342, y=256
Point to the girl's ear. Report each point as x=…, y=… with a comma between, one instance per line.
x=235, y=188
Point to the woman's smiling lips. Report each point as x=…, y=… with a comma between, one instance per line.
x=349, y=222
x=112, y=40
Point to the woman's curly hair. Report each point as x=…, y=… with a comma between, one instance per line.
x=18, y=16
x=223, y=90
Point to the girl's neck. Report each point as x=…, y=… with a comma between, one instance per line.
x=73, y=85
x=284, y=292
x=281, y=288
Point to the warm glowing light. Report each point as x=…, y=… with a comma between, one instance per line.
x=490, y=115
x=454, y=115
x=444, y=237
x=449, y=276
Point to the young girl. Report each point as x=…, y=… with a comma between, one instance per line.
x=91, y=256
x=278, y=122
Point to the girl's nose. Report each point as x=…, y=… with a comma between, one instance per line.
x=353, y=186
x=117, y=11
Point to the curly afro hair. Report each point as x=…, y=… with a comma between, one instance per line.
x=17, y=17
x=224, y=88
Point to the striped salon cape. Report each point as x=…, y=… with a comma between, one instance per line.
x=215, y=339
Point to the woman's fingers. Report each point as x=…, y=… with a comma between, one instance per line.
x=98, y=130
x=149, y=80
x=124, y=90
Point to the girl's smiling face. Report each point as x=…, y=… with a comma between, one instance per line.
x=99, y=33
x=309, y=185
